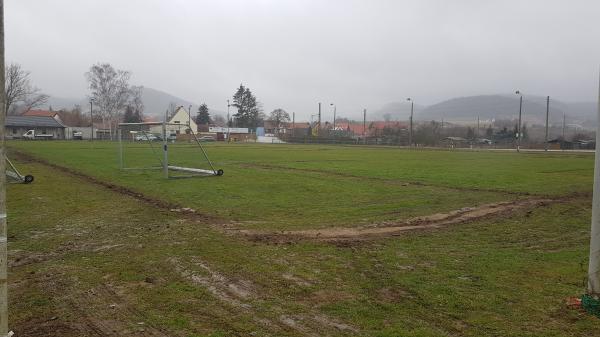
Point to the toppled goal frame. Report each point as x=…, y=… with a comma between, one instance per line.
x=165, y=149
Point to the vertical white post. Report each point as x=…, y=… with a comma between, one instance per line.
x=594, y=267
x=3, y=238
x=120, y=135
x=547, y=114
x=165, y=152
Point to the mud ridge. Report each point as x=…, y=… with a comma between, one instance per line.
x=393, y=228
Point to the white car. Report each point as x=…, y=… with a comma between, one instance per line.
x=145, y=136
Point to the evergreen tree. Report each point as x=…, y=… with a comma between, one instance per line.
x=131, y=115
x=249, y=114
x=203, y=117
x=489, y=132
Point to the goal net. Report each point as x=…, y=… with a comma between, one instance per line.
x=153, y=146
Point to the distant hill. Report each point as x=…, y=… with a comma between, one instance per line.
x=156, y=102
x=495, y=107
x=396, y=111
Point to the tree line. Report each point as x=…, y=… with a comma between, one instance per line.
x=115, y=100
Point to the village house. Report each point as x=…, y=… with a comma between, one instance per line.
x=180, y=122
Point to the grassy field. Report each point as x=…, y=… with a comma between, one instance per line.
x=87, y=260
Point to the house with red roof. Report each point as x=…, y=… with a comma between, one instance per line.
x=369, y=128
x=43, y=113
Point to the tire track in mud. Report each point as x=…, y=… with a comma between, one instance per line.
x=395, y=228
x=380, y=179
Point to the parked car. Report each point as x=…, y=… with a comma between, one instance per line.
x=170, y=137
x=145, y=136
x=207, y=139
x=78, y=135
x=31, y=134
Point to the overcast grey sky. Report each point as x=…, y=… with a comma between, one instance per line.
x=295, y=53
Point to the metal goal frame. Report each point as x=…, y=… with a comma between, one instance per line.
x=165, y=167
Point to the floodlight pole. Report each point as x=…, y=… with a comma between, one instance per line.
x=365, y=125
x=3, y=237
x=594, y=266
x=91, y=119
x=410, y=130
x=519, y=125
x=319, y=122
x=563, y=126
x=228, y=105
x=190, y=123
x=334, y=112
x=547, y=114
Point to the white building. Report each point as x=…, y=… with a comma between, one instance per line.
x=183, y=121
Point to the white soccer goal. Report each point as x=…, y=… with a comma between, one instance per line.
x=147, y=145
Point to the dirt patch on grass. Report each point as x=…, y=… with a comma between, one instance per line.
x=392, y=228
x=244, y=296
x=162, y=204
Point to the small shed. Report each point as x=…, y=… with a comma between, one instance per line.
x=16, y=126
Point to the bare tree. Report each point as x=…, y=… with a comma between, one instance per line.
x=136, y=100
x=279, y=117
x=219, y=120
x=74, y=117
x=110, y=90
x=19, y=91
x=172, y=109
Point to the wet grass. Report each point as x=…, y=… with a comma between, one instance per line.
x=296, y=186
x=95, y=248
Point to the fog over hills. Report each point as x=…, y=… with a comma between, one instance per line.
x=494, y=107
x=156, y=102
x=458, y=110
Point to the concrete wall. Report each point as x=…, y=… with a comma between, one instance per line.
x=85, y=130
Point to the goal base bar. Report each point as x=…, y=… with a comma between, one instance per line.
x=195, y=170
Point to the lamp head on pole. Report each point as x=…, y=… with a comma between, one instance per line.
x=518, y=92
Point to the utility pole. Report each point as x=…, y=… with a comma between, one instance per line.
x=334, y=112
x=564, y=124
x=593, y=287
x=410, y=130
x=293, y=124
x=365, y=125
x=477, y=134
x=228, y=105
x=3, y=238
x=91, y=119
x=547, y=114
x=190, y=123
x=319, y=122
x=519, y=126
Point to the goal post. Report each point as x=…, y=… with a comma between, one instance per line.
x=152, y=147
